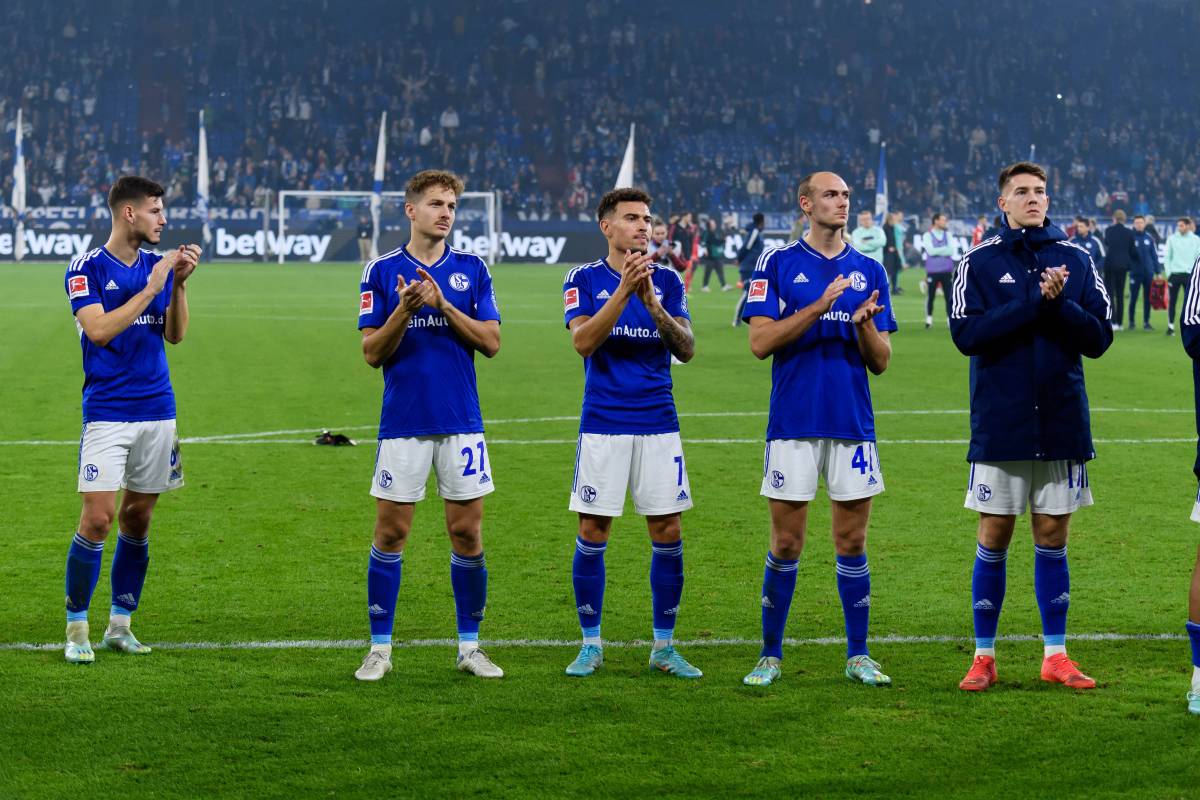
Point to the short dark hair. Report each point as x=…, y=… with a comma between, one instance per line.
x=131, y=189
x=1139, y=216
x=1020, y=168
x=1081, y=219
x=426, y=179
x=1186, y=220
x=937, y=215
x=626, y=194
x=758, y=218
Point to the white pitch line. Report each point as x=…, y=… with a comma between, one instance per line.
x=217, y=440
x=821, y=641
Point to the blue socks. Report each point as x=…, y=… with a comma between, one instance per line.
x=854, y=587
x=130, y=560
x=468, y=578
x=779, y=584
x=1193, y=630
x=83, y=571
x=666, y=587
x=383, y=585
x=587, y=574
x=1052, y=586
x=988, y=583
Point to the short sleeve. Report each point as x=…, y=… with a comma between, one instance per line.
x=577, y=297
x=674, y=295
x=885, y=321
x=762, y=296
x=372, y=298
x=82, y=285
x=486, y=307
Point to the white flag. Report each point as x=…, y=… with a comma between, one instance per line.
x=202, y=182
x=625, y=176
x=881, y=187
x=377, y=197
x=18, y=194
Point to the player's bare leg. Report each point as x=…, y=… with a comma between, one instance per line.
x=393, y=521
x=130, y=562
x=468, y=576
x=83, y=570
x=850, y=519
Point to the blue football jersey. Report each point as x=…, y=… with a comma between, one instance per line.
x=127, y=379
x=429, y=384
x=819, y=386
x=627, y=381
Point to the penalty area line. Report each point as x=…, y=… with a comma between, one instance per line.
x=822, y=641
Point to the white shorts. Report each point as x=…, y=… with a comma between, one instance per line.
x=460, y=461
x=1046, y=487
x=650, y=465
x=141, y=456
x=1196, y=509
x=791, y=468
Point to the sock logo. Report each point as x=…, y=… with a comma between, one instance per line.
x=766, y=602
x=864, y=603
x=71, y=603
x=1063, y=598
x=670, y=612
x=375, y=610
x=127, y=598
x=587, y=609
x=984, y=605
x=478, y=614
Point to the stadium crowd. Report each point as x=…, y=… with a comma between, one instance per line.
x=732, y=102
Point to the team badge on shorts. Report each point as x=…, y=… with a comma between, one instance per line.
x=460, y=282
x=983, y=492
x=90, y=472
x=587, y=494
x=777, y=479
x=858, y=281
x=385, y=478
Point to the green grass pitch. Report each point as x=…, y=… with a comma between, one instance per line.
x=269, y=541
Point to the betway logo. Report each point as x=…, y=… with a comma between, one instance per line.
x=47, y=244
x=260, y=244
x=547, y=248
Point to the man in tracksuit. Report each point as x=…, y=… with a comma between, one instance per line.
x=1183, y=248
x=1145, y=267
x=1190, y=321
x=939, y=264
x=1026, y=306
x=1084, y=239
x=747, y=258
x=1119, y=258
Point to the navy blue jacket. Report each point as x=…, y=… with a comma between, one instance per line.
x=1028, y=400
x=1190, y=333
x=1118, y=241
x=1147, y=255
x=1093, y=246
x=751, y=249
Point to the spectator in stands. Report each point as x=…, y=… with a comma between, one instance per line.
x=1120, y=256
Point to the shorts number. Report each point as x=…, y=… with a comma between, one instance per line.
x=862, y=463
x=679, y=462
x=470, y=454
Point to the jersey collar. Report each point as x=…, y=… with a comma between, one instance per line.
x=118, y=261
x=845, y=251
x=419, y=263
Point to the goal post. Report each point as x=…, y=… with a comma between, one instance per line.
x=333, y=218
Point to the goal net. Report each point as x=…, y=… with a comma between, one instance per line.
x=350, y=226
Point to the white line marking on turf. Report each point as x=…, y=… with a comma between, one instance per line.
x=219, y=440
x=345, y=644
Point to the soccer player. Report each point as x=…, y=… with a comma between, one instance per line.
x=126, y=301
x=424, y=310
x=939, y=264
x=628, y=316
x=822, y=310
x=1190, y=323
x=1027, y=305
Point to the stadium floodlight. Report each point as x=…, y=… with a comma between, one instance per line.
x=338, y=215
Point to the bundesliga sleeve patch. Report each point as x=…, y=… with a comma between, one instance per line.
x=758, y=290
x=571, y=298
x=77, y=286
x=366, y=303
